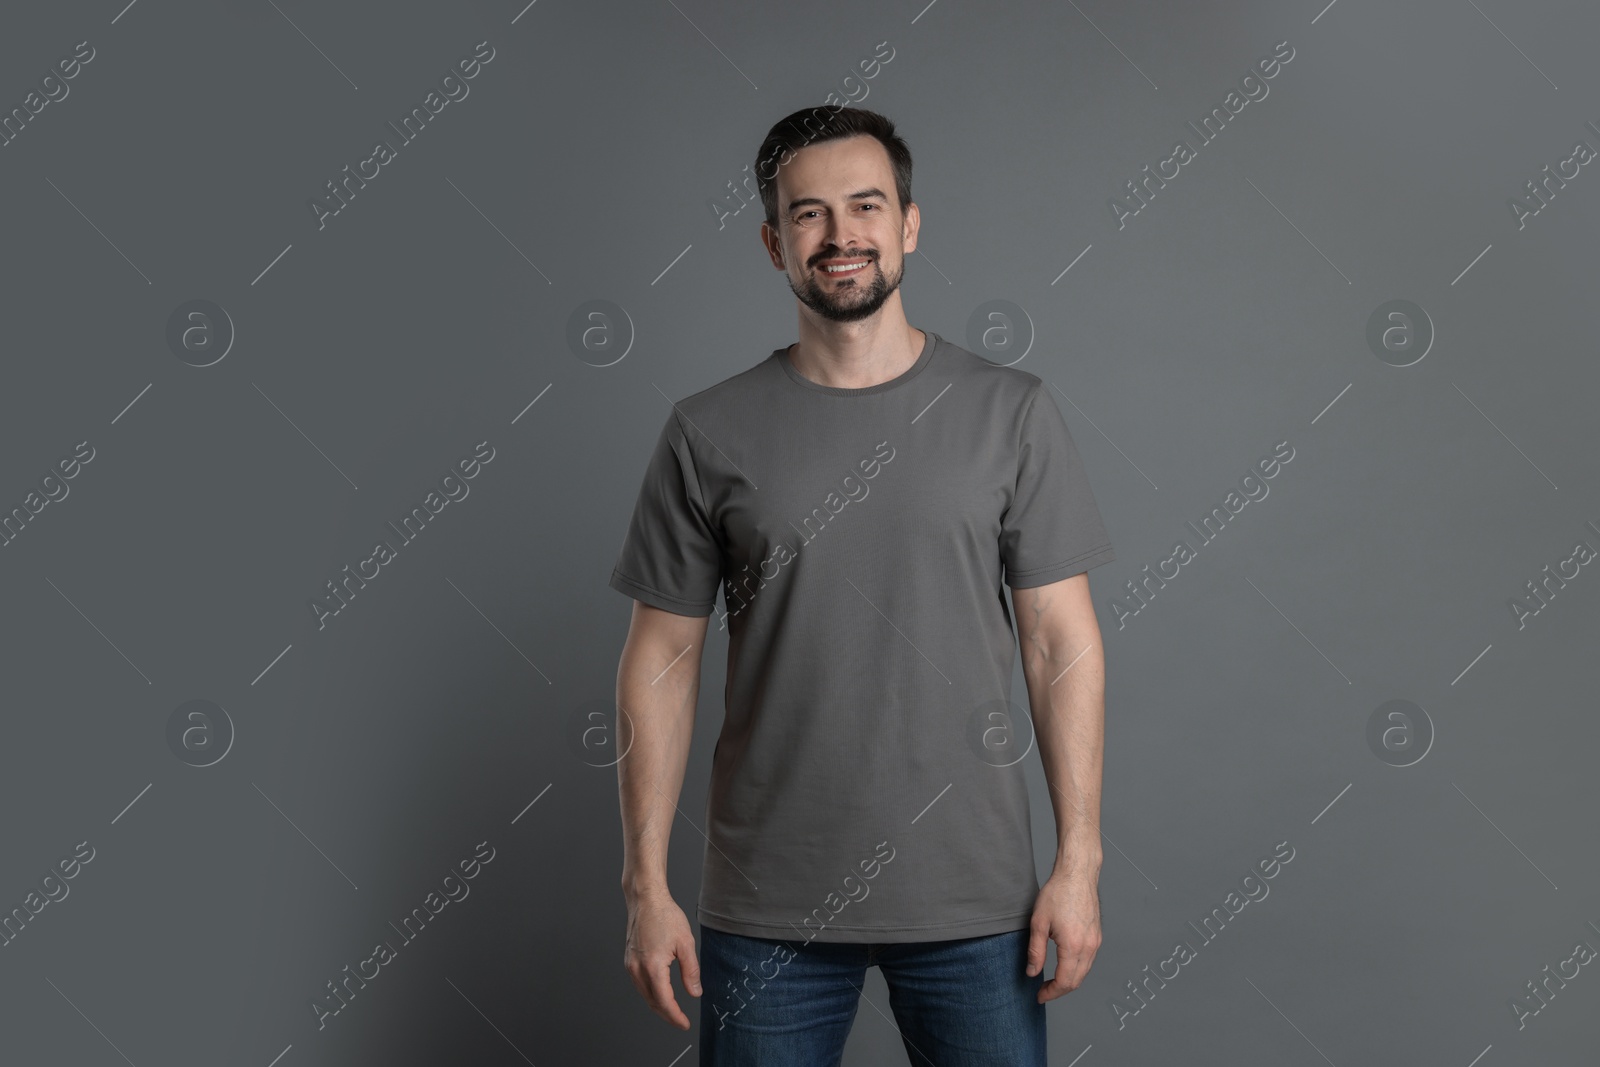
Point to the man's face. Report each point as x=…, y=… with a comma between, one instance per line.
x=837, y=208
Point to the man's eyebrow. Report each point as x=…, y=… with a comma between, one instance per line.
x=861, y=194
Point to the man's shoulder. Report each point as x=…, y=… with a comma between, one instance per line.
x=734, y=390
x=1006, y=379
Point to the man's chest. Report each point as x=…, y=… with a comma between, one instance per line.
x=875, y=491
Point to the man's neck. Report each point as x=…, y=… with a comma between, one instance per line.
x=855, y=355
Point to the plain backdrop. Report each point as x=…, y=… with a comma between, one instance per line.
x=353, y=763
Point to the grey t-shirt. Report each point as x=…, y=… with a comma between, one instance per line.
x=861, y=537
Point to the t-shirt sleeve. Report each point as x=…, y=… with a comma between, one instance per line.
x=671, y=555
x=1052, y=529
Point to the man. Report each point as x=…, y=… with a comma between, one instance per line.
x=860, y=497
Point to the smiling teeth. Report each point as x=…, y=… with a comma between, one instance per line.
x=838, y=270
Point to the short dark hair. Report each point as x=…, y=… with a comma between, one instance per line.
x=827, y=123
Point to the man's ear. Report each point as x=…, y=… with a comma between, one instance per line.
x=771, y=245
x=909, y=225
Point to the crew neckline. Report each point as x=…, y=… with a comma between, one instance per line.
x=926, y=356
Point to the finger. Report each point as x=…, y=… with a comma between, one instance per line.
x=1052, y=989
x=1079, y=954
x=689, y=966
x=1037, y=936
x=645, y=984
x=1059, y=984
x=662, y=998
x=1068, y=976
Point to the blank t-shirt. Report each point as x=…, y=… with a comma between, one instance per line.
x=861, y=787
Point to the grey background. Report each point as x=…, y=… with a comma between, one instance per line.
x=428, y=715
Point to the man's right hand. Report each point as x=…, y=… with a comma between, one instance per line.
x=658, y=933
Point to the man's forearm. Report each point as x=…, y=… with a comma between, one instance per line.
x=656, y=694
x=1066, y=695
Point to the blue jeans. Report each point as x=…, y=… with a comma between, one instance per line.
x=782, y=1003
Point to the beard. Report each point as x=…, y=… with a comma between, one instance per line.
x=858, y=299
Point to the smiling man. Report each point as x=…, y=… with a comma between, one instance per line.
x=868, y=805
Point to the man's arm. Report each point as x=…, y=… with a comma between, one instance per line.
x=1064, y=667
x=658, y=683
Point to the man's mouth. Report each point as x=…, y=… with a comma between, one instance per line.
x=841, y=268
